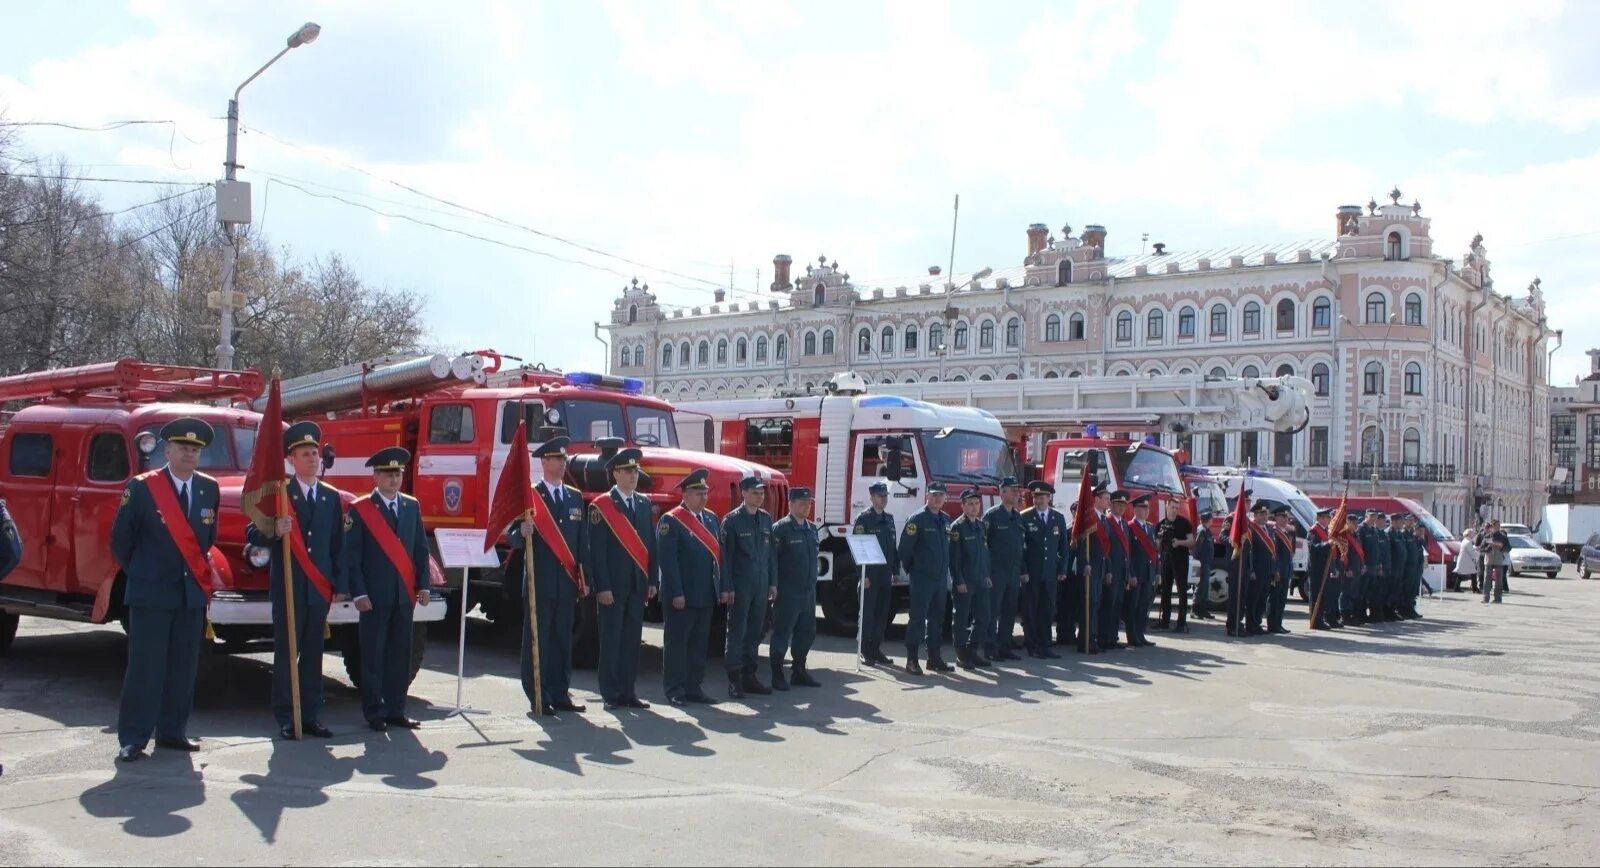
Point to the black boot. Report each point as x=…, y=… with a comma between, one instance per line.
x=802, y=677
x=936, y=664
x=912, y=667
x=735, y=691
x=753, y=685
x=778, y=681
x=964, y=659
x=882, y=658
x=977, y=659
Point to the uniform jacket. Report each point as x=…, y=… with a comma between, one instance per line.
x=925, y=547
x=794, y=550
x=607, y=564
x=366, y=570
x=1006, y=537
x=969, y=554
x=322, y=527
x=687, y=568
x=882, y=524
x=550, y=578
x=747, y=557
x=156, y=575
x=1045, y=541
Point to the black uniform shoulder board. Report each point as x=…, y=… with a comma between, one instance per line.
x=408, y=498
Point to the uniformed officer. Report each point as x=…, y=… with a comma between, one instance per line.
x=1320, y=559
x=689, y=555
x=1352, y=570
x=555, y=586
x=621, y=563
x=1144, y=559
x=1113, y=585
x=10, y=543
x=1375, y=543
x=1418, y=563
x=749, y=584
x=1263, y=570
x=1205, y=560
x=1177, y=536
x=165, y=597
x=794, y=615
x=1044, y=565
x=970, y=580
x=385, y=570
x=316, y=527
x=925, y=552
x=1283, y=541
x=877, y=597
x=1004, y=533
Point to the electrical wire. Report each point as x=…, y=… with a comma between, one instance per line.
x=50, y=177
x=100, y=214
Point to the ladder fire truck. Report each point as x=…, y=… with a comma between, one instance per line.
x=458, y=417
x=839, y=444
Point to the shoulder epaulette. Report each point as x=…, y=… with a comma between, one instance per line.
x=408, y=498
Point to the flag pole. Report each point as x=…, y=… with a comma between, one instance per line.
x=288, y=612
x=533, y=618
x=1322, y=589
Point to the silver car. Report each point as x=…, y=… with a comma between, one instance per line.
x=1527, y=556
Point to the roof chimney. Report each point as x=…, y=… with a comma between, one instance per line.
x=1037, y=232
x=1094, y=235
x=1347, y=217
x=780, y=273
x=935, y=270
x=1160, y=249
x=720, y=294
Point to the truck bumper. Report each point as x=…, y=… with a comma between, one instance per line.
x=259, y=612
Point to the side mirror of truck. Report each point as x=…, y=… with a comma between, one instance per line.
x=327, y=457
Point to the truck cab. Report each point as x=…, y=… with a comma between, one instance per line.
x=1136, y=466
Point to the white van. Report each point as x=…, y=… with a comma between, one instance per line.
x=1264, y=487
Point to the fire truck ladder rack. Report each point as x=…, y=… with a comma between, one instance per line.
x=1178, y=403
x=134, y=381
x=383, y=380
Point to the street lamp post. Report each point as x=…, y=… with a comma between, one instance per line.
x=307, y=34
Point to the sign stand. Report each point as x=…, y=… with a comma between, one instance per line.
x=463, y=549
x=866, y=551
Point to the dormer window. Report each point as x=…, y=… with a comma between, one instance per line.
x=1394, y=247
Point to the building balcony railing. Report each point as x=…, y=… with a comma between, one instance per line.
x=1400, y=472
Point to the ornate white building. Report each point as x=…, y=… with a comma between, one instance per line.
x=1424, y=374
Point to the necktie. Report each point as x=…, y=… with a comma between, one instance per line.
x=393, y=514
x=183, y=496
x=555, y=497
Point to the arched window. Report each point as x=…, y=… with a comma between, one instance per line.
x=1124, y=327
x=888, y=381
x=1377, y=308
x=864, y=342
x=961, y=336
x=1411, y=447
x=1413, y=378
x=1155, y=371
x=1074, y=375
x=780, y=348
x=1284, y=370
x=702, y=354
x=1155, y=326
x=683, y=355
x=1075, y=327
x=1219, y=320
x=1372, y=451
x=638, y=354
x=959, y=378
x=666, y=356
x=1011, y=376
x=1013, y=332
x=986, y=335
x=819, y=296
x=1250, y=372
x=741, y=351
x=808, y=347
x=1185, y=371
x=1319, y=379
x=935, y=336
x=1252, y=319
x=1372, y=379
x=911, y=338
x=1052, y=327
x=761, y=348
x=934, y=378
x=1051, y=375
x=722, y=351
x=1322, y=314
x=1413, y=309
x=1285, y=314
x=984, y=378
x=627, y=357
x=827, y=342
x=911, y=378
x=1218, y=373
x=1124, y=372
x=1394, y=247
x=633, y=314
x=886, y=341
x=1186, y=322
x=1063, y=273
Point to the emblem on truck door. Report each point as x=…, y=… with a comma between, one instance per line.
x=452, y=496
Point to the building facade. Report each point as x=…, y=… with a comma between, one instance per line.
x=1575, y=438
x=1425, y=377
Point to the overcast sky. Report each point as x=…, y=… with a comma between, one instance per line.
x=691, y=137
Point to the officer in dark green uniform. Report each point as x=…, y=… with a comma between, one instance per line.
x=970, y=580
x=749, y=583
x=1375, y=543
x=1004, y=533
x=556, y=590
x=622, y=585
x=386, y=603
x=165, y=600
x=1352, y=567
x=1416, y=566
x=1399, y=561
x=877, y=596
x=925, y=552
x=1319, y=557
x=690, y=580
x=10, y=545
x=794, y=616
x=1046, y=540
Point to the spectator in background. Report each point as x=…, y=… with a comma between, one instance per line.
x=1466, y=565
x=1495, y=551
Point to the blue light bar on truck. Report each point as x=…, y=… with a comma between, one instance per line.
x=631, y=385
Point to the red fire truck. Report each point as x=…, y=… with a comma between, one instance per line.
x=1136, y=466
x=460, y=430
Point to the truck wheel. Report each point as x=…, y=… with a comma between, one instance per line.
x=1584, y=572
x=1553, y=573
x=8, y=630
x=841, y=604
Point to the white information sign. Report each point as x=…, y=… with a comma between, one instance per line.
x=461, y=548
x=865, y=550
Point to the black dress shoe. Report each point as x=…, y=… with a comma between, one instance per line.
x=802, y=678
x=636, y=703
x=677, y=701
x=184, y=744
x=882, y=659
x=377, y=726
x=1047, y=654
x=1280, y=631
x=569, y=705
x=403, y=722
x=735, y=688
x=130, y=754
x=937, y=664
x=286, y=733
x=913, y=667
x=548, y=711
x=699, y=697
x=319, y=730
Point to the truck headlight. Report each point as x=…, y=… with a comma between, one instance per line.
x=258, y=556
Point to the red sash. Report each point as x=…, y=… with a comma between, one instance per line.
x=624, y=531
x=297, y=542
x=178, y=527
x=1319, y=532
x=544, y=523
x=698, y=530
x=1288, y=541
x=1144, y=540
x=1122, y=535
x=1356, y=543
x=389, y=542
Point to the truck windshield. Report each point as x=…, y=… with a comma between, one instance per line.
x=232, y=451
x=589, y=420
x=1148, y=469
x=967, y=456
x=1208, y=497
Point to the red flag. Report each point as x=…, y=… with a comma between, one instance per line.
x=1339, y=519
x=1241, y=515
x=267, y=473
x=1084, y=523
x=513, y=494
